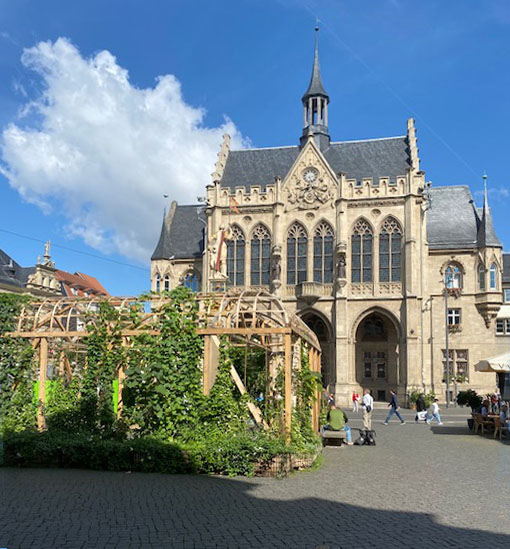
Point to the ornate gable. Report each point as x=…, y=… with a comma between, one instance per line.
x=310, y=184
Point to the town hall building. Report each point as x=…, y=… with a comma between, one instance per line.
x=351, y=237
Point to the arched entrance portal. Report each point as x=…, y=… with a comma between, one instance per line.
x=377, y=355
x=322, y=330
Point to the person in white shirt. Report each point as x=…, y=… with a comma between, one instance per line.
x=368, y=405
x=433, y=413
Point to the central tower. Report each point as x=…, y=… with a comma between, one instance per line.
x=315, y=105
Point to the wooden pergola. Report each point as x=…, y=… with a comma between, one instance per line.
x=251, y=317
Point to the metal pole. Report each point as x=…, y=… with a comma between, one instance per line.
x=447, y=350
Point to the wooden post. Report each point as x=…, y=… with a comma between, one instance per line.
x=288, y=385
x=315, y=419
x=41, y=397
x=317, y=359
x=207, y=365
x=121, y=375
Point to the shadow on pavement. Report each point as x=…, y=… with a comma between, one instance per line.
x=152, y=510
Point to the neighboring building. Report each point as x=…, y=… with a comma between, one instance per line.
x=353, y=239
x=44, y=279
x=80, y=284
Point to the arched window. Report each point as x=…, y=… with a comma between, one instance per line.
x=166, y=285
x=190, y=281
x=481, y=277
x=158, y=282
x=390, y=245
x=453, y=276
x=235, y=257
x=492, y=277
x=361, y=252
x=260, y=256
x=323, y=254
x=297, y=244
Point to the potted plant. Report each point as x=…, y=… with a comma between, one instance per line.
x=471, y=399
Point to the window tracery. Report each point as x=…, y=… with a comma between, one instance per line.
x=323, y=242
x=235, y=257
x=390, y=246
x=260, y=256
x=297, y=256
x=361, y=252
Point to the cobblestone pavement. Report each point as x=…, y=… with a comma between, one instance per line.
x=419, y=487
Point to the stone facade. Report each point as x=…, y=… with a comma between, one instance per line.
x=352, y=238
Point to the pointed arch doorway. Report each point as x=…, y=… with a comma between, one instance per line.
x=378, y=355
x=322, y=329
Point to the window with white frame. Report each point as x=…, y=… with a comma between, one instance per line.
x=453, y=317
x=503, y=326
x=506, y=295
x=458, y=362
x=158, y=282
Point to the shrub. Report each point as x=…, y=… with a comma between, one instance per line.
x=469, y=398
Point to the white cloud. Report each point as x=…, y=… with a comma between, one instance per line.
x=104, y=152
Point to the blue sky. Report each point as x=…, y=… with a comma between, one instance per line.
x=93, y=140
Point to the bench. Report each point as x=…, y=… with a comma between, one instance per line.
x=338, y=435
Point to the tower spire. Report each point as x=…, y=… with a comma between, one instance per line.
x=486, y=235
x=315, y=103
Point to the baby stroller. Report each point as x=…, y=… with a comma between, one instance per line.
x=366, y=437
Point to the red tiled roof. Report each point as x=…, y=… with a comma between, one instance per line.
x=81, y=283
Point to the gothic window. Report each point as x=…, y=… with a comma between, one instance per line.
x=481, y=277
x=235, y=257
x=158, y=283
x=453, y=276
x=492, y=276
x=390, y=244
x=190, y=281
x=166, y=283
x=323, y=254
x=361, y=252
x=260, y=256
x=297, y=244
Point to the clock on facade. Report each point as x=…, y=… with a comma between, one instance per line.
x=310, y=175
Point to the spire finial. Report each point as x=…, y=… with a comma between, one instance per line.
x=485, y=198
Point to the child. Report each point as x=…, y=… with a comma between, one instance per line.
x=433, y=413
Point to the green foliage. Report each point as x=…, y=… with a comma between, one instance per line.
x=163, y=383
x=469, y=398
x=224, y=410
x=239, y=455
x=18, y=409
x=306, y=384
x=427, y=397
x=168, y=424
x=61, y=449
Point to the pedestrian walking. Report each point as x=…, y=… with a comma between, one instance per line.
x=394, y=409
x=355, y=401
x=433, y=413
x=368, y=405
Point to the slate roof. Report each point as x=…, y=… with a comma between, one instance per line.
x=388, y=157
x=453, y=221
x=11, y=273
x=182, y=233
x=506, y=267
x=315, y=87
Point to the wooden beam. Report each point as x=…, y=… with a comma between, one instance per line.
x=243, y=331
x=41, y=397
x=254, y=410
x=288, y=385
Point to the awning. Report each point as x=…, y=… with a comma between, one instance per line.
x=500, y=363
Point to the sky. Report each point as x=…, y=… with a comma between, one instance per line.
x=106, y=106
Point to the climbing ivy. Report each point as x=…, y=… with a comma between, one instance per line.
x=18, y=407
x=163, y=384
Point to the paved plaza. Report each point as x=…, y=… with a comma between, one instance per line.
x=420, y=487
